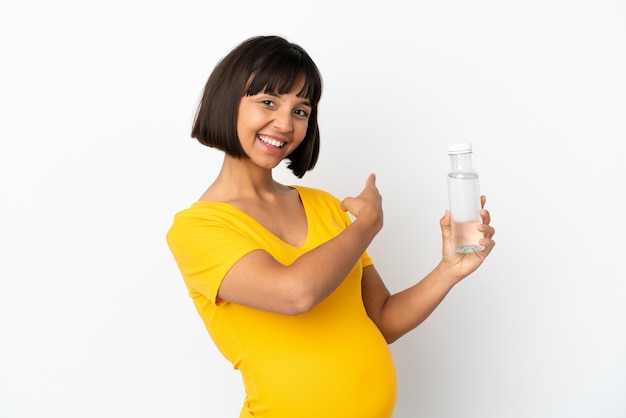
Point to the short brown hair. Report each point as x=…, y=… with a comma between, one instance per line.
x=262, y=63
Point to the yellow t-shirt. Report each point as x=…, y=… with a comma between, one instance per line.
x=329, y=362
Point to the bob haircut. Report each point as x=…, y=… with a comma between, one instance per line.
x=262, y=63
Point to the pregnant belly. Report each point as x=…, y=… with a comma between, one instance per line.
x=349, y=375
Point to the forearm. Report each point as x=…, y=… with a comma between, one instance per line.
x=405, y=310
x=320, y=271
x=395, y=315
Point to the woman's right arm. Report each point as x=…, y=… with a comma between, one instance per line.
x=259, y=281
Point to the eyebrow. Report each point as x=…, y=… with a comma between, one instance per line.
x=303, y=102
x=306, y=102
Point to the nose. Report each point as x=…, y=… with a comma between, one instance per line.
x=283, y=121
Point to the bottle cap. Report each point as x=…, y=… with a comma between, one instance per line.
x=460, y=148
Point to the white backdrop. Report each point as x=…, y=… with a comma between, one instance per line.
x=96, y=104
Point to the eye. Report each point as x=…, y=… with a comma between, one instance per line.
x=301, y=112
x=268, y=102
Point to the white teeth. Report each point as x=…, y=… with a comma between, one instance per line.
x=271, y=141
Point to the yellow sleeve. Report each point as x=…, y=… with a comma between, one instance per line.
x=205, y=248
x=366, y=260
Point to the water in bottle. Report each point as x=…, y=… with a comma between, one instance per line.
x=464, y=199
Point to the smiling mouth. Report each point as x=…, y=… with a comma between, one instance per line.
x=271, y=142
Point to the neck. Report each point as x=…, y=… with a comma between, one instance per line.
x=241, y=178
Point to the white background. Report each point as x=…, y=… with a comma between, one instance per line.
x=96, y=105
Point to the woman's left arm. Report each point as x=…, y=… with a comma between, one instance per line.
x=397, y=314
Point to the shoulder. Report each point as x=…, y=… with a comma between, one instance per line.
x=203, y=210
x=201, y=215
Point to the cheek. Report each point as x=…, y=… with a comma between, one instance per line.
x=247, y=125
x=300, y=131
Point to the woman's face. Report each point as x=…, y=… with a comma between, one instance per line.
x=270, y=126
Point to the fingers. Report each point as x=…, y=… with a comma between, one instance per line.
x=489, y=244
x=446, y=220
x=484, y=213
x=368, y=195
x=488, y=230
x=370, y=185
x=344, y=204
x=371, y=180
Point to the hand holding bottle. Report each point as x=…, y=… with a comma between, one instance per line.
x=460, y=265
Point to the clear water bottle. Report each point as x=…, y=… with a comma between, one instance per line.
x=464, y=199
